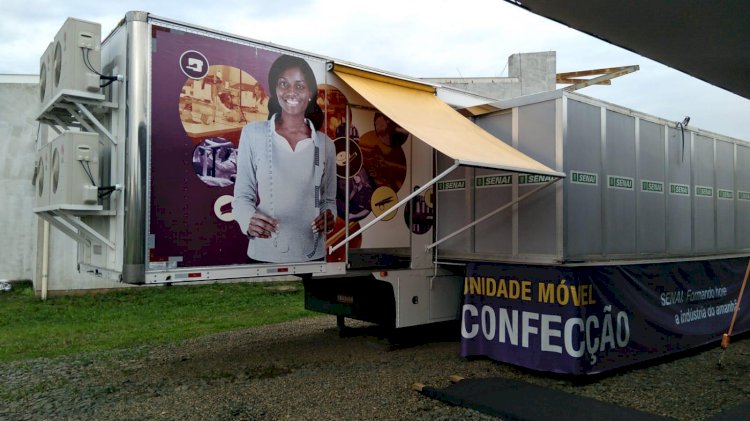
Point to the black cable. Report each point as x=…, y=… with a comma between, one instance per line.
x=89, y=173
x=87, y=63
x=109, y=79
x=682, y=129
x=106, y=191
x=87, y=170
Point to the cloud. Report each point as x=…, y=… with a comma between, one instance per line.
x=420, y=38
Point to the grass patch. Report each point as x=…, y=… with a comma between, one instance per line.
x=139, y=316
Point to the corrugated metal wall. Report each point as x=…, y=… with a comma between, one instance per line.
x=742, y=188
x=494, y=189
x=536, y=214
x=525, y=232
x=660, y=191
x=583, y=165
x=637, y=187
x=651, y=215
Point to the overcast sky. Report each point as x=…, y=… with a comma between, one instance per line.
x=419, y=38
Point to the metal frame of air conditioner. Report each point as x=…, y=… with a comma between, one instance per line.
x=76, y=58
x=41, y=177
x=77, y=193
x=72, y=105
x=74, y=170
x=45, y=73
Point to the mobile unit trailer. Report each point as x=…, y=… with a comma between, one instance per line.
x=639, y=188
x=647, y=234
x=640, y=252
x=142, y=169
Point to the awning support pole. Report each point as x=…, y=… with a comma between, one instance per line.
x=500, y=209
x=393, y=208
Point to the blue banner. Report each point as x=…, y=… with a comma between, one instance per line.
x=590, y=319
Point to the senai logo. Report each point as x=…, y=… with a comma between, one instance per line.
x=194, y=64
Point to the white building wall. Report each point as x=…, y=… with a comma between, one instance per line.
x=21, y=231
x=19, y=102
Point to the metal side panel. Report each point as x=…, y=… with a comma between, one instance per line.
x=583, y=201
x=651, y=213
x=537, y=215
x=109, y=224
x=445, y=298
x=453, y=210
x=424, y=296
x=679, y=192
x=725, y=196
x=742, y=188
x=114, y=61
x=136, y=147
x=493, y=189
x=619, y=176
x=704, y=195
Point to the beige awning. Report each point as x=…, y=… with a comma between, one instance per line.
x=416, y=108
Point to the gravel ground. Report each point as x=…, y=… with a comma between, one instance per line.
x=306, y=370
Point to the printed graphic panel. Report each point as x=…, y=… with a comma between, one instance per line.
x=585, y=320
x=248, y=159
x=379, y=177
x=221, y=197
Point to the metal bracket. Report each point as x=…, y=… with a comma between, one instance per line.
x=73, y=109
x=494, y=212
x=73, y=227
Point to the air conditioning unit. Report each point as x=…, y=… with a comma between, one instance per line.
x=41, y=176
x=74, y=169
x=45, y=77
x=76, y=58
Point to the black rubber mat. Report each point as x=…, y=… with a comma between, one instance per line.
x=513, y=400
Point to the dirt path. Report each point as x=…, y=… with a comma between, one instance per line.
x=305, y=370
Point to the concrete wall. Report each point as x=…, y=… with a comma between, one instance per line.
x=21, y=231
x=528, y=73
x=19, y=102
x=537, y=71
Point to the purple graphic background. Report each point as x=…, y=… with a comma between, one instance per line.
x=638, y=291
x=182, y=218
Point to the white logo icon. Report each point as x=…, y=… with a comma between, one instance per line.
x=195, y=65
x=223, y=208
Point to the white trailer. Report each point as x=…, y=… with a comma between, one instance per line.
x=444, y=204
x=142, y=169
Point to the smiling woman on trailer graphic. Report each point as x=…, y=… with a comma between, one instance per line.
x=285, y=193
